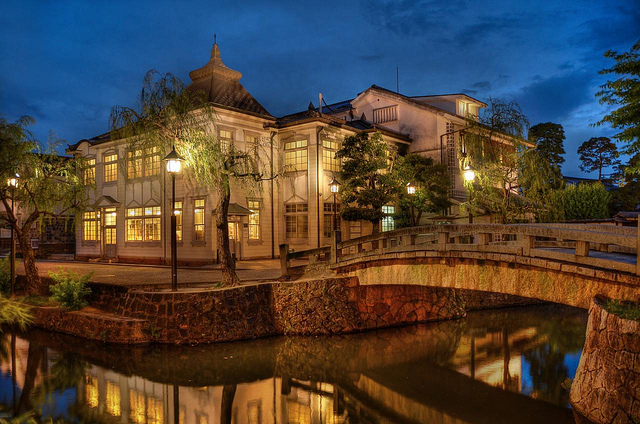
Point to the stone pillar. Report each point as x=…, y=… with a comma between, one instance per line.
x=284, y=262
x=606, y=389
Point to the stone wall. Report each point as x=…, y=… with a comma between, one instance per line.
x=330, y=306
x=606, y=389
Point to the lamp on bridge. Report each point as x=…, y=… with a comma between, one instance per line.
x=173, y=163
x=411, y=191
x=13, y=184
x=469, y=176
x=335, y=188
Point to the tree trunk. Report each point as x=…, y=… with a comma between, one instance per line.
x=226, y=407
x=34, y=359
x=227, y=264
x=34, y=283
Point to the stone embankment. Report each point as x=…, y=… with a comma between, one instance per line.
x=325, y=306
x=606, y=389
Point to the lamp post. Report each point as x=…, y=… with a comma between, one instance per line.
x=469, y=175
x=335, y=188
x=13, y=183
x=174, y=165
x=411, y=191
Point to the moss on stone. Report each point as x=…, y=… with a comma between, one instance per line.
x=626, y=310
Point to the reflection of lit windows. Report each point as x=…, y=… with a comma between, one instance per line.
x=91, y=391
x=112, y=401
x=198, y=219
x=254, y=220
x=110, y=167
x=329, y=161
x=295, y=155
x=296, y=220
x=202, y=418
x=178, y=213
x=136, y=406
x=155, y=411
x=254, y=412
x=388, y=222
x=90, y=172
x=298, y=413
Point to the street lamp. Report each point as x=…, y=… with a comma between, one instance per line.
x=411, y=191
x=335, y=188
x=469, y=175
x=13, y=183
x=173, y=163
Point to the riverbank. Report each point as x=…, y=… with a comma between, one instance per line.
x=334, y=305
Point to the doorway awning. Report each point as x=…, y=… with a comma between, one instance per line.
x=236, y=209
x=106, y=202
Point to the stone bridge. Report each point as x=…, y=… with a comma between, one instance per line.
x=562, y=263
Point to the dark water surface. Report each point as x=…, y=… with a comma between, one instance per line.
x=499, y=366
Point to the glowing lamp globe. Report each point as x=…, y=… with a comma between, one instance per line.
x=173, y=162
x=411, y=189
x=335, y=185
x=13, y=181
x=469, y=173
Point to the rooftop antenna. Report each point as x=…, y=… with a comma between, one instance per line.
x=397, y=82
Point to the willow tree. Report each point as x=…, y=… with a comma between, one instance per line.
x=49, y=188
x=168, y=115
x=493, y=146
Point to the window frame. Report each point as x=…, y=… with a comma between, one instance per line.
x=110, y=167
x=147, y=215
x=95, y=223
x=329, y=160
x=327, y=211
x=388, y=217
x=291, y=150
x=89, y=168
x=258, y=224
x=199, y=209
x=301, y=214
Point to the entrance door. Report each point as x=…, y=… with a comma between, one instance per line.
x=234, y=238
x=110, y=232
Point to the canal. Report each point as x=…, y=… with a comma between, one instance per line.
x=495, y=366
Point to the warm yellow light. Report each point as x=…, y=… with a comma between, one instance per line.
x=174, y=166
x=411, y=189
x=335, y=185
x=13, y=181
x=469, y=173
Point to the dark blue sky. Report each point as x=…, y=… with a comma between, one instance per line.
x=66, y=63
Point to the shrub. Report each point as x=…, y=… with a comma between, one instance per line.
x=5, y=275
x=70, y=289
x=626, y=310
x=14, y=313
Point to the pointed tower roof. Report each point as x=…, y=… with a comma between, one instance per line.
x=221, y=85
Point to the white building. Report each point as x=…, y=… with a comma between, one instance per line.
x=130, y=220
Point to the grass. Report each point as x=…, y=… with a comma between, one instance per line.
x=626, y=310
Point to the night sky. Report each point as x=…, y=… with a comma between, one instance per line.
x=66, y=63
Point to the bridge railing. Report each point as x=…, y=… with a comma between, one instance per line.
x=600, y=246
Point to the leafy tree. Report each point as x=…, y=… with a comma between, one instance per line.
x=582, y=201
x=493, y=146
x=549, y=138
x=623, y=92
x=626, y=197
x=598, y=153
x=171, y=116
x=368, y=178
x=49, y=188
x=538, y=184
x=432, y=186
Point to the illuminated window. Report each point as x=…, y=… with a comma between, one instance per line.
x=152, y=161
x=112, y=401
x=388, y=221
x=385, y=114
x=226, y=138
x=152, y=223
x=90, y=172
x=296, y=220
x=134, y=163
x=110, y=217
x=295, y=155
x=254, y=220
x=198, y=219
x=178, y=213
x=254, y=412
x=110, y=168
x=329, y=161
x=328, y=219
x=91, y=391
x=137, y=407
x=90, y=226
x=110, y=225
x=143, y=224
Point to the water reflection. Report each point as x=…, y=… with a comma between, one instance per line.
x=492, y=367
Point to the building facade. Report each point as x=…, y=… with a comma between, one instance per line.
x=131, y=217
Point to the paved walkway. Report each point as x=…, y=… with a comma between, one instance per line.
x=135, y=274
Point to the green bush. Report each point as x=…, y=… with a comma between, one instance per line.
x=70, y=289
x=13, y=312
x=5, y=275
